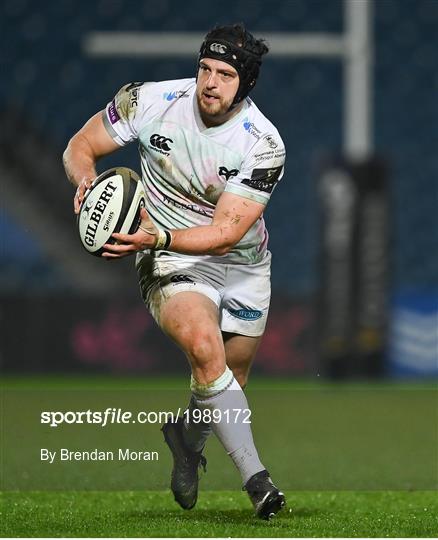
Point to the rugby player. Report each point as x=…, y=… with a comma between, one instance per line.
x=210, y=161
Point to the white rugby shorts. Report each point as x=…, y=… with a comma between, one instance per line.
x=242, y=292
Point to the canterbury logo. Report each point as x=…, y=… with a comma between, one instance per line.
x=223, y=171
x=181, y=278
x=160, y=142
x=218, y=48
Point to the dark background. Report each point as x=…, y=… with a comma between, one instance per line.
x=61, y=310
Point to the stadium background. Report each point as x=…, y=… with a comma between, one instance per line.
x=63, y=311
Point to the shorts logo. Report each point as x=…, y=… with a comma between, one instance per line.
x=218, y=48
x=160, y=143
x=181, y=278
x=223, y=171
x=246, y=314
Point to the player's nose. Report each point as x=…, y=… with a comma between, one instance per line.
x=212, y=80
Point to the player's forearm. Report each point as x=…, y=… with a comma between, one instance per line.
x=233, y=217
x=204, y=240
x=79, y=160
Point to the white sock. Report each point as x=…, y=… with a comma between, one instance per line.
x=230, y=412
x=195, y=434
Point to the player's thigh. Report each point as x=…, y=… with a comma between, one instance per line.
x=187, y=315
x=239, y=353
x=191, y=319
x=183, y=295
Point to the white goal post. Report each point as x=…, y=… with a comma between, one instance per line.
x=354, y=47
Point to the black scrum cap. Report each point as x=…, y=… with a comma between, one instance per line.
x=237, y=47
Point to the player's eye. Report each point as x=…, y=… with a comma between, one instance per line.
x=227, y=76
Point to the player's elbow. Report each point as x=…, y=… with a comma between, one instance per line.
x=74, y=146
x=67, y=159
x=224, y=240
x=220, y=250
x=77, y=143
x=223, y=247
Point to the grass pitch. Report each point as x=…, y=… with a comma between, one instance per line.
x=353, y=460
x=218, y=514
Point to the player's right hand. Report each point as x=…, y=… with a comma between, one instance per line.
x=128, y=244
x=80, y=193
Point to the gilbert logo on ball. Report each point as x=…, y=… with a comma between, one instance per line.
x=111, y=205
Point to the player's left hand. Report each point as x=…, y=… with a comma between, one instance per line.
x=127, y=244
x=81, y=190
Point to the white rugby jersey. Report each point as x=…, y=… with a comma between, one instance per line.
x=187, y=166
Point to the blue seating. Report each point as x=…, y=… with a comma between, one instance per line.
x=58, y=88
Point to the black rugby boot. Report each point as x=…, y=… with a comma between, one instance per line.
x=265, y=496
x=184, y=482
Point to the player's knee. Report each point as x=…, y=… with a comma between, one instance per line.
x=203, y=348
x=184, y=336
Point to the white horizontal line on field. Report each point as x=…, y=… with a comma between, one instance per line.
x=187, y=44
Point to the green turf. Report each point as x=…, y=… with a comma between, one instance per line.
x=355, y=460
x=218, y=514
x=311, y=437
x=95, y=381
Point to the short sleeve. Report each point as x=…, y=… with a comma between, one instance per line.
x=122, y=116
x=261, y=170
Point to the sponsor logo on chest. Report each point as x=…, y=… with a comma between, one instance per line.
x=227, y=174
x=160, y=143
x=176, y=94
x=251, y=128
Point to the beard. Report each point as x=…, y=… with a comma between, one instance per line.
x=218, y=108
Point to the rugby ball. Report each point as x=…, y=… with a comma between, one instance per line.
x=111, y=205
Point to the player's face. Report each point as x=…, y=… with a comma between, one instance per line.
x=216, y=88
